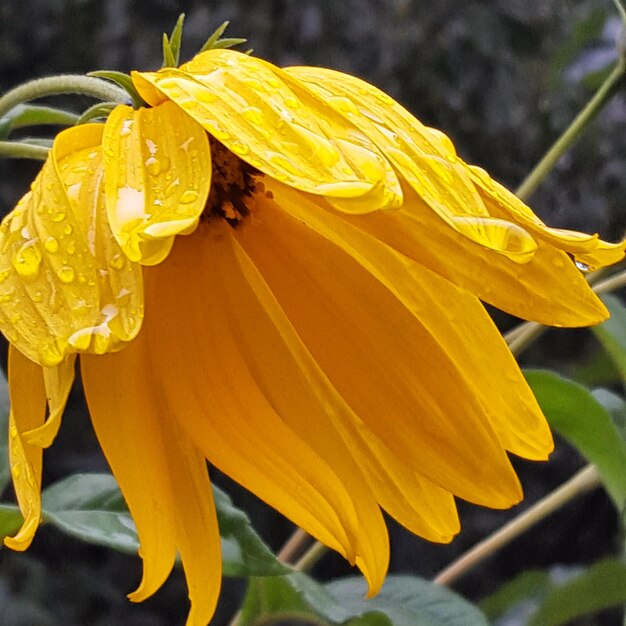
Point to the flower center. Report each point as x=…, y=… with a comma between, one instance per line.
x=232, y=185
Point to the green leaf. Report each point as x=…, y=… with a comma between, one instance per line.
x=10, y=520
x=407, y=601
x=168, y=55
x=5, y=471
x=532, y=584
x=34, y=115
x=612, y=333
x=403, y=601
x=601, y=586
x=244, y=553
x=289, y=596
x=101, y=110
x=576, y=415
x=124, y=81
x=91, y=507
x=176, y=39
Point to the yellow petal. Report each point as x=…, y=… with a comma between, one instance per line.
x=390, y=369
x=589, y=251
x=158, y=175
x=28, y=411
x=244, y=103
x=162, y=475
x=212, y=384
x=61, y=289
x=430, y=166
x=58, y=381
x=516, y=416
x=548, y=289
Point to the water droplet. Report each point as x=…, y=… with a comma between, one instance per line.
x=343, y=105
x=4, y=274
x=70, y=246
x=203, y=95
x=27, y=260
x=189, y=196
x=67, y=229
x=239, y=148
x=117, y=262
x=37, y=297
x=157, y=166
x=66, y=274
x=583, y=267
x=7, y=296
x=253, y=115
x=57, y=216
x=51, y=244
x=292, y=103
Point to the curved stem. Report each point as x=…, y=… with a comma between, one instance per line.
x=585, y=480
x=311, y=557
x=64, y=83
x=293, y=545
x=19, y=150
x=564, y=142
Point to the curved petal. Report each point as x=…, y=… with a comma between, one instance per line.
x=158, y=175
x=389, y=368
x=162, y=476
x=548, y=289
x=516, y=415
x=63, y=288
x=58, y=381
x=28, y=411
x=212, y=379
x=431, y=168
x=245, y=104
x=589, y=250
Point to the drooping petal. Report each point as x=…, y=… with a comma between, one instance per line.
x=162, y=475
x=390, y=369
x=244, y=103
x=588, y=250
x=58, y=381
x=59, y=267
x=28, y=411
x=214, y=384
x=158, y=176
x=548, y=289
x=517, y=417
x=432, y=169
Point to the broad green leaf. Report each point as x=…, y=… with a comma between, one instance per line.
x=612, y=333
x=407, y=601
x=243, y=551
x=91, y=507
x=601, y=586
x=615, y=405
x=531, y=585
x=289, y=596
x=403, y=601
x=576, y=415
x=10, y=520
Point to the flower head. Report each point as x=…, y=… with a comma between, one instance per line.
x=280, y=271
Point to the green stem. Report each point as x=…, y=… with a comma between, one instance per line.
x=564, y=142
x=64, y=83
x=585, y=480
x=17, y=150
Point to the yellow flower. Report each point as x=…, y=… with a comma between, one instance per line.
x=279, y=271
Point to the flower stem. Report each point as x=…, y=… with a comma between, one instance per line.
x=64, y=83
x=585, y=480
x=19, y=150
x=311, y=557
x=564, y=142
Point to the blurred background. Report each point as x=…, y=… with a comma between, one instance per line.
x=503, y=78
